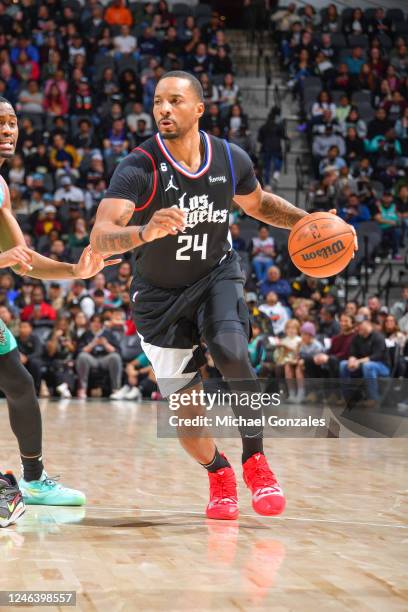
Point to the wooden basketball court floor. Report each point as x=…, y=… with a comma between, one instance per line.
x=143, y=542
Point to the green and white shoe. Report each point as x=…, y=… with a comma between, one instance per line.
x=48, y=492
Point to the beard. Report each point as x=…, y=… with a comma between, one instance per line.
x=169, y=136
x=7, y=155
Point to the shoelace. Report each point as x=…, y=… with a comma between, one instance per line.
x=262, y=477
x=51, y=482
x=223, y=488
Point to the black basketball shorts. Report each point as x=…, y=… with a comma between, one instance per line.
x=171, y=322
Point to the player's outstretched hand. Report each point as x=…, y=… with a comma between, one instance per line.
x=333, y=211
x=90, y=263
x=164, y=222
x=20, y=256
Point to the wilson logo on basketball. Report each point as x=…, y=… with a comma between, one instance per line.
x=325, y=252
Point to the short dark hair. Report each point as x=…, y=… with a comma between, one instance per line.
x=181, y=74
x=4, y=100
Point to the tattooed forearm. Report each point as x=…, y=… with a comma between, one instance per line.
x=126, y=215
x=117, y=242
x=277, y=211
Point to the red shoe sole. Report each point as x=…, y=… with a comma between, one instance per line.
x=218, y=515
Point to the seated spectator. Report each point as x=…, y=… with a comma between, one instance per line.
x=68, y=194
x=222, y=63
x=323, y=103
x=343, y=79
x=229, y=92
x=400, y=309
x=380, y=125
x=392, y=333
x=328, y=324
x=237, y=119
x=332, y=161
x=389, y=221
x=140, y=379
x=136, y=115
x=97, y=348
x=327, y=363
x=263, y=253
x=31, y=99
x=82, y=101
x=131, y=87
x=210, y=91
x=212, y=120
x=124, y=43
x=354, y=212
x=117, y=14
x=274, y=282
x=55, y=102
x=353, y=120
x=38, y=312
x=369, y=358
x=354, y=145
x=149, y=44
x=356, y=23
x=379, y=24
x=331, y=20
x=80, y=297
x=277, y=313
x=60, y=351
x=47, y=221
x=355, y=61
x=63, y=155
x=31, y=350
x=27, y=70
x=80, y=235
x=343, y=108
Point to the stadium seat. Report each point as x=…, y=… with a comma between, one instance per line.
x=366, y=111
x=395, y=15
x=182, y=9
x=338, y=40
x=385, y=42
x=358, y=40
x=369, y=13
x=127, y=63
x=361, y=97
x=203, y=10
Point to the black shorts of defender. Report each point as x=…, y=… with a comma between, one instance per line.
x=170, y=322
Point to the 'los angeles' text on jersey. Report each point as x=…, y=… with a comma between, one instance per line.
x=205, y=197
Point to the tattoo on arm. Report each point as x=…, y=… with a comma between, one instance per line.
x=114, y=242
x=277, y=211
x=126, y=215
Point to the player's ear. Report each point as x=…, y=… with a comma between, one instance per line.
x=200, y=109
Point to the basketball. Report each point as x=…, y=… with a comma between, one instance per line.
x=321, y=244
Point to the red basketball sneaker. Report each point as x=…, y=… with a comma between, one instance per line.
x=223, y=504
x=267, y=496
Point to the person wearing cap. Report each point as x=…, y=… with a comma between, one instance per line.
x=309, y=347
x=63, y=154
x=47, y=221
x=368, y=358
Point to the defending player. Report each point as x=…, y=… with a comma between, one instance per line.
x=178, y=187
x=15, y=382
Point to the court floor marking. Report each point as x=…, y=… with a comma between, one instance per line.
x=253, y=516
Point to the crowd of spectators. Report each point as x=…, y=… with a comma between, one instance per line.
x=349, y=70
x=82, y=77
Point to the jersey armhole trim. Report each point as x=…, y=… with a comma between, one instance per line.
x=227, y=145
x=146, y=204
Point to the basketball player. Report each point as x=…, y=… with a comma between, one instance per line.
x=178, y=187
x=15, y=382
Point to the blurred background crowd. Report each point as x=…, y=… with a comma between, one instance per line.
x=81, y=76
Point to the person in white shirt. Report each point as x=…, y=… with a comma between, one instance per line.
x=136, y=114
x=125, y=43
x=277, y=313
x=263, y=253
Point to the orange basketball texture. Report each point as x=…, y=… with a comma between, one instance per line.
x=321, y=244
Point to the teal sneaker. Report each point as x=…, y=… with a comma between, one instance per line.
x=48, y=492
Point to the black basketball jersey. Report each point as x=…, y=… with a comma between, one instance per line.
x=206, y=197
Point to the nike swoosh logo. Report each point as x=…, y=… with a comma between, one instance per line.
x=11, y=507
